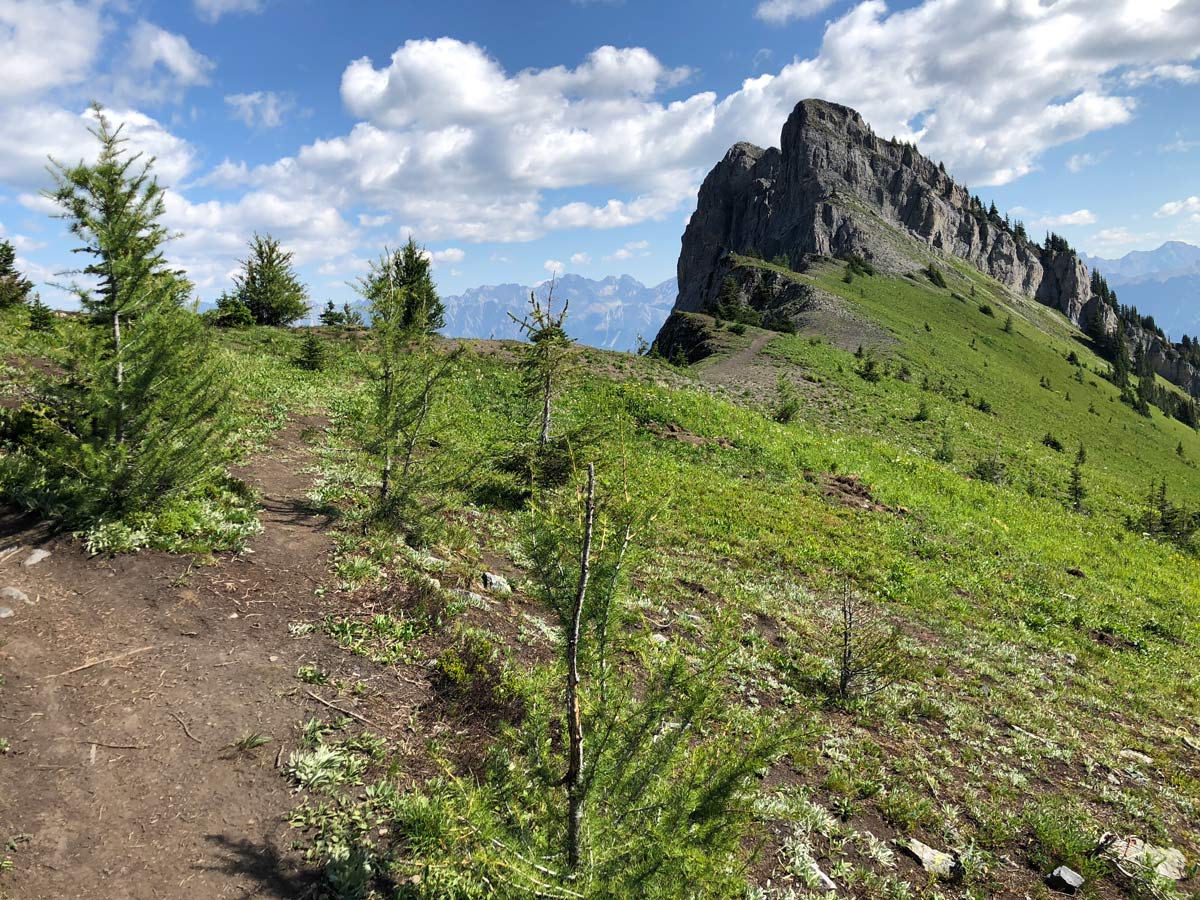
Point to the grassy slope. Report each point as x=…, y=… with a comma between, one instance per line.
x=975, y=575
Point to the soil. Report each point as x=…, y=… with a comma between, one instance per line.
x=121, y=780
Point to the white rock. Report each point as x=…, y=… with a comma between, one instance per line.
x=933, y=861
x=1137, y=757
x=6, y=613
x=1168, y=862
x=35, y=557
x=497, y=584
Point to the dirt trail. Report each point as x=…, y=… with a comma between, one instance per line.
x=743, y=370
x=120, y=781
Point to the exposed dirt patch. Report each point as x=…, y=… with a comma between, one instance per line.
x=849, y=490
x=121, y=774
x=673, y=432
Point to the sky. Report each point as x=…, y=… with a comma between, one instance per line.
x=522, y=139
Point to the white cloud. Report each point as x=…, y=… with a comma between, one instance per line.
x=1179, y=145
x=151, y=46
x=1110, y=240
x=367, y=221
x=554, y=267
x=212, y=10
x=780, y=12
x=1080, y=161
x=450, y=255
x=34, y=132
x=46, y=44
x=260, y=109
x=1178, y=73
x=1079, y=217
x=581, y=259
x=1175, y=207
x=629, y=251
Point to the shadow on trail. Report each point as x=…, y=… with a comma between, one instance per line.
x=273, y=875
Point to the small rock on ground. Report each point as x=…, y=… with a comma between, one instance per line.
x=943, y=865
x=1136, y=756
x=6, y=613
x=1064, y=880
x=35, y=557
x=1168, y=862
x=827, y=883
x=497, y=584
x=14, y=596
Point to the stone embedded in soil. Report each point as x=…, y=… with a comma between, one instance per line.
x=1135, y=756
x=943, y=865
x=1064, y=880
x=6, y=613
x=827, y=883
x=14, y=596
x=1167, y=862
x=497, y=584
x=35, y=557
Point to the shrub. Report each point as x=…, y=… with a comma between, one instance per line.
x=1052, y=442
x=934, y=274
x=986, y=309
x=313, y=357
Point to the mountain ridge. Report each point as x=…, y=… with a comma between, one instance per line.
x=610, y=313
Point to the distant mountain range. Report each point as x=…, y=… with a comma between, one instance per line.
x=1164, y=283
x=610, y=313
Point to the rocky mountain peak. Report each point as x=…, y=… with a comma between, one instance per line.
x=834, y=188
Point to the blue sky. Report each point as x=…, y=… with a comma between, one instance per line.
x=516, y=139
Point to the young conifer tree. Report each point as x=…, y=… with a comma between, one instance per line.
x=146, y=409
x=41, y=318
x=14, y=288
x=269, y=286
x=547, y=359
x=405, y=311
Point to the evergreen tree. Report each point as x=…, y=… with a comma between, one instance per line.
x=14, y=288
x=312, y=353
x=268, y=286
x=142, y=419
x=351, y=317
x=408, y=381
x=231, y=312
x=41, y=318
x=331, y=316
x=547, y=358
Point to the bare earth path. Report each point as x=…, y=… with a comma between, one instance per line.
x=120, y=781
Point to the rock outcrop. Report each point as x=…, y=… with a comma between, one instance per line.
x=836, y=189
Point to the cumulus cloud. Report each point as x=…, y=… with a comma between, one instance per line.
x=1175, y=207
x=260, y=109
x=46, y=44
x=554, y=267
x=449, y=255
x=1079, y=217
x=158, y=66
x=780, y=12
x=212, y=10
x=581, y=259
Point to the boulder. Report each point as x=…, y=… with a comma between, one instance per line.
x=1135, y=756
x=1064, y=880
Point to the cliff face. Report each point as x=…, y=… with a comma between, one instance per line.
x=833, y=189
